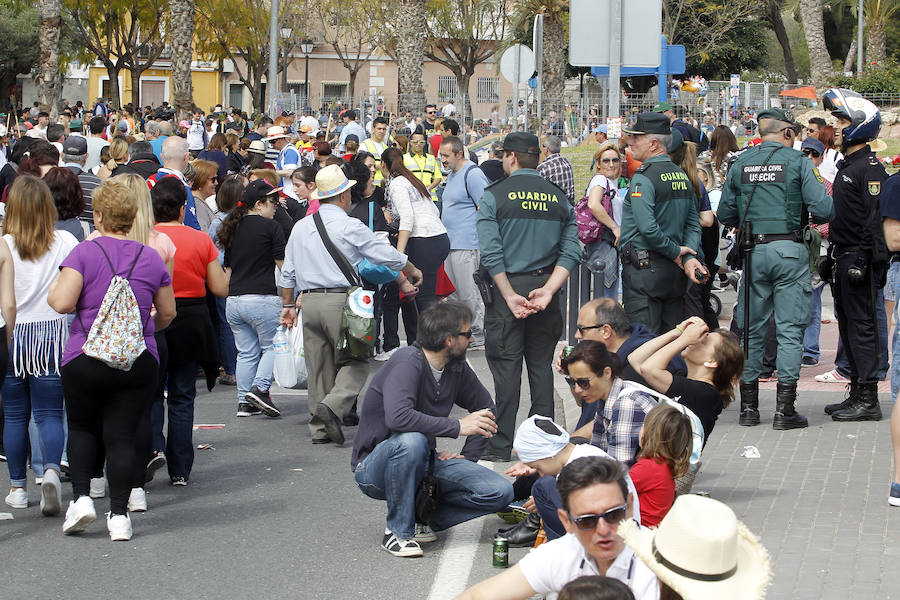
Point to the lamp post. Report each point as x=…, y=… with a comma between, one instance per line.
x=285, y=36
x=306, y=47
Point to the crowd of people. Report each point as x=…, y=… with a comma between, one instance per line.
x=141, y=252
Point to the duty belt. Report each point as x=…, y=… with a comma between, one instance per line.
x=765, y=238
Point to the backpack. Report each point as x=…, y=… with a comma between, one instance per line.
x=589, y=228
x=117, y=334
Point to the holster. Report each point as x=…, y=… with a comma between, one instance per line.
x=485, y=284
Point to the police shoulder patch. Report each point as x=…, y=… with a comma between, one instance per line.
x=818, y=175
x=874, y=188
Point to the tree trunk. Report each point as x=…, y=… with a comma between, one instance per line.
x=819, y=59
x=851, y=56
x=773, y=15
x=411, y=24
x=553, y=85
x=463, y=79
x=48, y=79
x=115, y=94
x=136, y=73
x=351, y=88
x=259, y=99
x=876, y=44
x=181, y=19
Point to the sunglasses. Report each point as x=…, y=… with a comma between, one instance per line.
x=582, y=328
x=613, y=516
x=610, y=161
x=467, y=334
x=582, y=382
x=431, y=112
x=811, y=152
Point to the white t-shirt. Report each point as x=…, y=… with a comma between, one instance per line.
x=33, y=278
x=828, y=168
x=550, y=566
x=606, y=183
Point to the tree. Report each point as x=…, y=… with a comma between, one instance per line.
x=19, y=47
x=348, y=26
x=773, y=16
x=407, y=34
x=461, y=34
x=181, y=24
x=148, y=47
x=877, y=14
x=701, y=25
x=48, y=79
x=555, y=43
x=814, y=30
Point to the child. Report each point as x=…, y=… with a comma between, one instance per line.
x=666, y=443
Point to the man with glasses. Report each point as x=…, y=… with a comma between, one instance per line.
x=430, y=116
x=407, y=407
x=595, y=501
x=556, y=168
x=421, y=163
x=767, y=191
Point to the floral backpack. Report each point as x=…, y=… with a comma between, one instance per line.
x=117, y=334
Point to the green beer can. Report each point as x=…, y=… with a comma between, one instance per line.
x=501, y=552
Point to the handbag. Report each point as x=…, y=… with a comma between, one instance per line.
x=357, y=336
x=377, y=274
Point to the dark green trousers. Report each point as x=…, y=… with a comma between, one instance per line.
x=654, y=296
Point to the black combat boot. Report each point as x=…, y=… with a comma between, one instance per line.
x=851, y=398
x=785, y=415
x=749, y=403
x=866, y=407
x=524, y=533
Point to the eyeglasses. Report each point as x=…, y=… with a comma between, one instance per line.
x=582, y=382
x=467, y=334
x=610, y=161
x=431, y=112
x=582, y=328
x=613, y=516
x=813, y=153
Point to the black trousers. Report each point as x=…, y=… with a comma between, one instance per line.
x=854, y=305
x=390, y=317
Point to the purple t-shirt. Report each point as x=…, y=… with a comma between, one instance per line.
x=149, y=275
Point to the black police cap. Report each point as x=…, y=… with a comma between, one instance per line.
x=650, y=122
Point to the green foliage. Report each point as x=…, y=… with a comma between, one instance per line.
x=875, y=79
x=741, y=49
x=19, y=48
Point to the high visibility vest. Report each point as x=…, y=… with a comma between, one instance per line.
x=425, y=168
x=376, y=149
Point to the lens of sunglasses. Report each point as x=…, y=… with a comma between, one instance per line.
x=611, y=161
x=582, y=382
x=467, y=334
x=613, y=516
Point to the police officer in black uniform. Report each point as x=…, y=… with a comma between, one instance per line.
x=859, y=251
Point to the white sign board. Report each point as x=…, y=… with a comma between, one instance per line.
x=614, y=128
x=590, y=26
x=521, y=55
x=735, y=89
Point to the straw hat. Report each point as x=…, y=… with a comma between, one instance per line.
x=257, y=147
x=331, y=181
x=702, y=551
x=276, y=132
x=878, y=145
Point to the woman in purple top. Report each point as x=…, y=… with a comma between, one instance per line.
x=105, y=404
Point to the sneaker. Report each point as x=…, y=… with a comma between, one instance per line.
x=400, y=547
x=179, y=481
x=245, y=409
x=2, y=454
x=38, y=480
x=424, y=534
x=227, y=380
x=894, y=498
x=383, y=356
x=51, y=494
x=137, y=500
x=17, y=498
x=80, y=515
x=831, y=376
x=119, y=527
x=98, y=487
x=156, y=463
x=808, y=361
x=262, y=401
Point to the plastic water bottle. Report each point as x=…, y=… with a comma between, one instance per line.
x=285, y=371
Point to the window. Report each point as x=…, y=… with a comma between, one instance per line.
x=236, y=95
x=447, y=89
x=488, y=90
x=335, y=91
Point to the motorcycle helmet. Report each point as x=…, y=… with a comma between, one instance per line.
x=864, y=116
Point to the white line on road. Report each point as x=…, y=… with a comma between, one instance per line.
x=452, y=576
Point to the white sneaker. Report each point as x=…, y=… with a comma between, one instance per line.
x=80, y=515
x=137, y=501
x=38, y=480
x=119, y=527
x=51, y=494
x=424, y=534
x=383, y=356
x=98, y=487
x=401, y=547
x=17, y=498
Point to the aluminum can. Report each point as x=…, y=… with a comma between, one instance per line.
x=501, y=553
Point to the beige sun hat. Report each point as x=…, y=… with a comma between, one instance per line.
x=878, y=145
x=276, y=132
x=702, y=551
x=257, y=147
x=331, y=181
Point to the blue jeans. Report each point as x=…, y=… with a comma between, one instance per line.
x=227, y=351
x=547, y=500
x=395, y=467
x=253, y=320
x=893, y=281
x=37, y=454
x=842, y=363
x=814, y=329
x=23, y=396
x=182, y=387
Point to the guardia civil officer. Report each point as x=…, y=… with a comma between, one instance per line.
x=660, y=230
x=860, y=254
x=529, y=245
x=769, y=190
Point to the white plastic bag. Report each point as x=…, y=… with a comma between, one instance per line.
x=285, y=373
x=295, y=335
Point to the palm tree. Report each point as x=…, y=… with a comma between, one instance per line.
x=410, y=32
x=181, y=22
x=773, y=16
x=876, y=13
x=555, y=40
x=819, y=59
x=48, y=78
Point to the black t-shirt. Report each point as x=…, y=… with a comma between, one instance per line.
x=702, y=398
x=360, y=210
x=257, y=244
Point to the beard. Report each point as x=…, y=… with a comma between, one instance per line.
x=458, y=354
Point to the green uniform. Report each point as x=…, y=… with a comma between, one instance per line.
x=787, y=188
x=659, y=216
x=526, y=227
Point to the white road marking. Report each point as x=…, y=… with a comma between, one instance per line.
x=452, y=576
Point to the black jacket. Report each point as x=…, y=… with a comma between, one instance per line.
x=144, y=164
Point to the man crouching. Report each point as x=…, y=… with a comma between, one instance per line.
x=405, y=409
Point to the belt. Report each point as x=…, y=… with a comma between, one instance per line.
x=844, y=249
x=765, y=238
x=325, y=291
x=536, y=273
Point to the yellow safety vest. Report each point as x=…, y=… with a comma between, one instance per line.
x=425, y=168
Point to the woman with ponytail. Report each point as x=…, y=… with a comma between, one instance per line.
x=254, y=245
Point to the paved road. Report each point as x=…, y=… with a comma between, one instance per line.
x=268, y=515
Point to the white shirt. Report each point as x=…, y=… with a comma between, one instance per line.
x=448, y=111
x=418, y=214
x=828, y=168
x=33, y=278
x=550, y=566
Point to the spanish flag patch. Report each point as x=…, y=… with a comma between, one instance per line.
x=636, y=191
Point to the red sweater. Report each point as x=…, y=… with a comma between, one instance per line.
x=655, y=488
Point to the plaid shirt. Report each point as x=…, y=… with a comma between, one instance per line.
x=557, y=169
x=617, y=427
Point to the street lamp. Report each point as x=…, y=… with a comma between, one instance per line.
x=285, y=36
x=306, y=47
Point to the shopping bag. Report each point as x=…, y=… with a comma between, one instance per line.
x=295, y=335
x=285, y=371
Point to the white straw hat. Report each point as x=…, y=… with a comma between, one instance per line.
x=276, y=132
x=702, y=551
x=331, y=181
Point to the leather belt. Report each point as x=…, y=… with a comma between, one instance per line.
x=325, y=291
x=838, y=249
x=536, y=273
x=765, y=238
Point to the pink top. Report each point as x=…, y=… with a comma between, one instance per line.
x=157, y=240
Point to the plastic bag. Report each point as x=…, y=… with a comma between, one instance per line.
x=295, y=334
x=285, y=373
